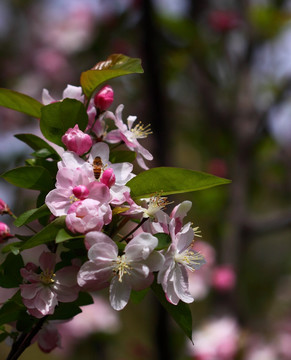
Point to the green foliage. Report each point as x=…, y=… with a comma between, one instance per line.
x=30, y=215
x=167, y=181
x=20, y=102
x=46, y=235
x=164, y=241
x=12, y=310
x=30, y=177
x=10, y=271
x=58, y=117
x=137, y=296
x=114, y=66
x=38, y=144
x=64, y=235
x=181, y=313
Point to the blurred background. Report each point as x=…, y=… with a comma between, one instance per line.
x=217, y=93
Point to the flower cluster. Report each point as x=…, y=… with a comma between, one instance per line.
x=103, y=226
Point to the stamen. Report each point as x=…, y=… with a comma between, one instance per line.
x=73, y=199
x=197, y=231
x=140, y=131
x=46, y=277
x=190, y=259
x=156, y=203
x=121, y=267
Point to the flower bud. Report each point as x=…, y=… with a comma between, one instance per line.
x=4, y=208
x=104, y=98
x=4, y=232
x=81, y=192
x=77, y=141
x=108, y=177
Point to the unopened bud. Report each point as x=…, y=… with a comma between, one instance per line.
x=81, y=192
x=108, y=177
x=104, y=98
x=4, y=208
x=4, y=232
x=77, y=141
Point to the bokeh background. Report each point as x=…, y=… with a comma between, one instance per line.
x=216, y=91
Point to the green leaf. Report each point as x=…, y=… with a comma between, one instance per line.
x=115, y=65
x=31, y=215
x=30, y=177
x=168, y=180
x=122, y=156
x=10, y=271
x=46, y=235
x=63, y=235
x=20, y=102
x=181, y=312
x=37, y=144
x=13, y=247
x=164, y=240
x=58, y=117
x=10, y=311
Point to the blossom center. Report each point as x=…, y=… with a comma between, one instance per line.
x=190, y=259
x=156, y=203
x=140, y=131
x=46, y=277
x=121, y=267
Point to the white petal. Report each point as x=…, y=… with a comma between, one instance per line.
x=119, y=293
x=141, y=246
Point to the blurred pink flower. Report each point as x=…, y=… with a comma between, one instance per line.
x=48, y=338
x=223, y=278
x=4, y=208
x=217, y=339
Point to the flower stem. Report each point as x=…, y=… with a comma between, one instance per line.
x=133, y=230
x=24, y=340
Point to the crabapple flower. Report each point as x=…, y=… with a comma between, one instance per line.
x=223, y=278
x=179, y=257
x=74, y=185
x=4, y=232
x=4, y=208
x=88, y=215
x=77, y=141
x=129, y=135
x=44, y=291
x=132, y=270
x=71, y=92
x=104, y=98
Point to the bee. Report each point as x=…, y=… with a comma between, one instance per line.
x=97, y=167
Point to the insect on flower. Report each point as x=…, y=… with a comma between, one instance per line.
x=97, y=167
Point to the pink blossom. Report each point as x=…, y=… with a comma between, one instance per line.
x=4, y=208
x=74, y=185
x=104, y=98
x=77, y=141
x=44, y=291
x=48, y=338
x=88, y=215
x=129, y=135
x=179, y=257
x=4, y=232
x=216, y=339
x=132, y=270
x=223, y=278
